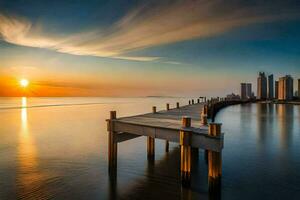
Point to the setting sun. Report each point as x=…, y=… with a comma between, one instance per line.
x=24, y=83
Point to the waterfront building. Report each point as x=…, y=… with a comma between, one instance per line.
x=270, y=87
x=246, y=91
x=276, y=89
x=262, y=86
x=285, y=88
x=233, y=97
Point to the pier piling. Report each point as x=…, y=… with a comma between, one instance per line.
x=185, y=152
x=151, y=143
x=112, y=144
x=167, y=142
x=150, y=148
x=214, y=161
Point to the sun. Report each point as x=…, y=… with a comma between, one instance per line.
x=24, y=83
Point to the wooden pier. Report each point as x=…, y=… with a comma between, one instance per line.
x=186, y=125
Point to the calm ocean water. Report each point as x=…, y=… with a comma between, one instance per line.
x=56, y=148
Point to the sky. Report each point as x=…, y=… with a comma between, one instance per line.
x=145, y=48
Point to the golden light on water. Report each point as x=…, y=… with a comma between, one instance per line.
x=28, y=174
x=24, y=83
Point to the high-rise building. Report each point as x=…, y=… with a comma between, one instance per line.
x=270, y=87
x=276, y=89
x=285, y=88
x=246, y=91
x=262, y=86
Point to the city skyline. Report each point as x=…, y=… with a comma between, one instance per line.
x=145, y=49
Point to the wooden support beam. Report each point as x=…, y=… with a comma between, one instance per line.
x=214, y=161
x=189, y=102
x=177, y=105
x=122, y=137
x=112, y=143
x=198, y=100
x=185, y=152
x=168, y=106
x=193, y=101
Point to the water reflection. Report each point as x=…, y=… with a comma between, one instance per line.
x=285, y=124
x=29, y=177
x=262, y=130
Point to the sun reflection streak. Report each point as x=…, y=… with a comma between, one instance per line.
x=28, y=174
x=24, y=114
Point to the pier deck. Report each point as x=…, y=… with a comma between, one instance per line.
x=167, y=125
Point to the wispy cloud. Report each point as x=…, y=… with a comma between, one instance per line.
x=150, y=25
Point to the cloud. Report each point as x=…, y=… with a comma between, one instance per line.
x=152, y=24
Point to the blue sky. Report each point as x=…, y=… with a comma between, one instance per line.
x=137, y=48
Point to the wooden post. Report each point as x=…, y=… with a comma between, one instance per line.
x=189, y=102
x=167, y=142
x=198, y=100
x=192, y=101
x=154, y=109
x=185, y=152
x=177, y=105
x=151, y=143
x=203, y=118
x=150, y=148
x=112, y=143
x=167, y=146
x=214, y=161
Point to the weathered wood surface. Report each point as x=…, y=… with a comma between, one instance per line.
x=166, y=125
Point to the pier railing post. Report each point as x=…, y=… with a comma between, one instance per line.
x=177, y=105
x=185, y=152
x=154, y=109
x=168, y=106
x=189, y=102
x=203, y=118
x=112, y=143
x=214, y=161
x=198, y=100
x=193, y=101
x=151, y=143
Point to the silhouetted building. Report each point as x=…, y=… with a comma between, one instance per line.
x=276, y=89
x=246, y=91
x=285, y=88
x=270, y=87
x=262, y=86
x=232, y=97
